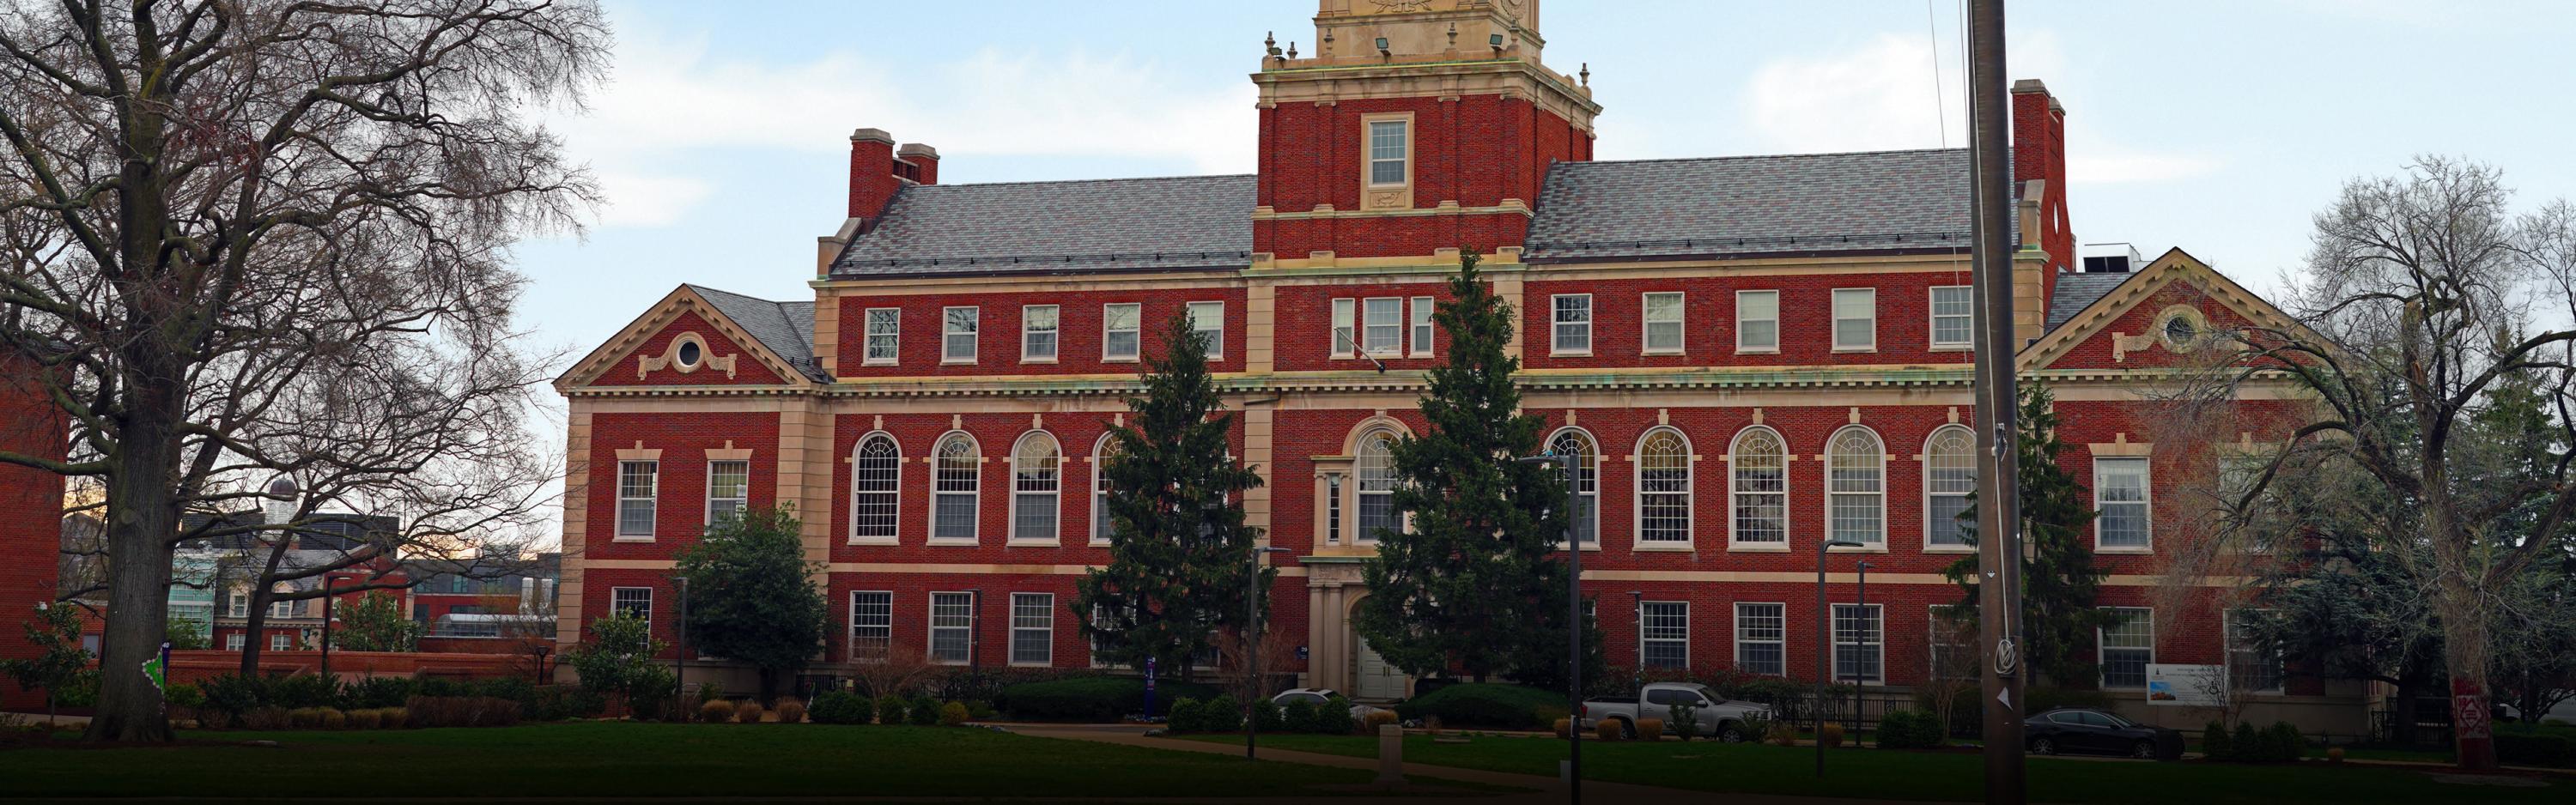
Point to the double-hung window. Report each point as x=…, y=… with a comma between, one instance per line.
x=1121, y=331
x=728, y=490
x=636, y=483
x=631, y=602
x=1757, y=321
x=2128, y=645
x=1663, y=323
x=955, y=485
x=1421, y=326
x=884, y=331
x=1858, y=647
x=2253, y=663
x=235, y=641
x=1856, y=488
x=1855, y=319
x=875, y=471
x=952, y=623
x=1761, y=638
x=283, y=609
x=1036, y=480
x=2120, y=493
x=1382, y=325
x=1346, y=334
x=1376, y=467
x=1758, y=469
x=237, y=605
x=1389, y=147
x=1101, y=522
x=1949, y=475
x=1038, y=332
x=1663, y=634
x=1663, y=489
x=1573, y=333
x=1953, y=317
x=280, y=641
x=1207, y=319
x=1587, y=462
x=871, y=624
x=958, y=327
x=1032, y=629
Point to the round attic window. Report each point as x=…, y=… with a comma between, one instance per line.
x=2183, y=330
x=2180, y=330
x=691, y=352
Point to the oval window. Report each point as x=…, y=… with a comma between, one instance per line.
x=690, y=352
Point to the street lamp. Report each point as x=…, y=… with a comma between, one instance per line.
x=681, y=663
x=1571, y=462
x=1252, y=644
x=1637, y=610
x=1824, y=646
x=1861, y=638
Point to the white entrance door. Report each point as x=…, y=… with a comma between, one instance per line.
x=1378, y=681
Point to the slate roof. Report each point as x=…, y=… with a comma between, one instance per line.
x=1734, y=206
x=1168, y=223
x=2075, y=292
x=786, y=328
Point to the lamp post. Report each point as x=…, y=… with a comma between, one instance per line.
x=1637, y=610
x=974, y=632
x=1252, y=644
x=326, y=627
x=680, y=670
x=1571, y=463
x=1824, y=646
x=1862, y=638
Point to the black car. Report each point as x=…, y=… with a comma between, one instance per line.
x=2094, y=731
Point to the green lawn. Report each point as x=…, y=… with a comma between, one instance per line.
x=621, y=759
x=1762, y=769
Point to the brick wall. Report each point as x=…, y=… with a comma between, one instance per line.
x=1474, y=150
x=1079, y=330
x=747, y=370
x=680, y=514
x=31, y=534
x=1806, y=321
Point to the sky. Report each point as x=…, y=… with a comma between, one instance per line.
x=721, y=139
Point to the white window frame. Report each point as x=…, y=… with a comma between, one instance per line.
x=1418, y=329
x=1053, y=495
x=284, y=609
x=1933, y=314
x=1931, y=456
x=1109, y=332
x=2146, y=503
x=1346, y=330
x=1588, y=531
x=237, y=605
x=1743, y=348
x=1877, y=615
x=1876, y=543
x=741, y=502
x=1361, y=533
x=1689, y=493
x=236, y=641
x=1836, y=310
x=2102, y=647
x=974, y=496
x=1046, y=625
x=949, y=332
x=1100, y=525
x=1030, y=332
x=1643, y=617
x=1393, y=323
x=1736, y=491
x=1209, y=326
x=883, y=620
x=281, y=641
x=892, y=493
x=648, y=502
x=966, y=647
x=1646, y=324
x=892, y=335
x=1557, y=324
x=1371, y=160
x=1780, y=615
x=616, y=605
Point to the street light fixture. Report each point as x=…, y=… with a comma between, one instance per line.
x=1252, y=645
x=1571, y=463
x=1824, y=646
x=680, y=673
x=1862, y=639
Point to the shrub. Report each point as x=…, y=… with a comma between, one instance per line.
x=654, y=692
x=1377, y=718
x=1609, y=730
x=1831, y=735
x=393, y=718
x=842, y=707
x=264, y=718
x=1753, y=729
x=749, y=712
x=1221, y=714
x=889, y=710
x=1685, y=720
x=513, y=688
x=438, y=687
x=1184, y=716
x=1565, y=727
x=953, y=714
x=461, y=711
x=982, y=710
x=1909, y=729
x=715, y=711
x=1650, y=729
x=2248, y=744
x=1298, y=716
x=2527, y=746
x=1483, y=705
x=1783, y=733
x=924, y=711
x=2284, y=743
x=560, y=702
x=304, y=718
x=378, y=692
x=1098, y=699
x=709, y=691
x=1266, y=716
x=296, y=691
x=2215, y=743
x=790, y=711
x=333, y=719
x=1333, y=717
x=365, y=719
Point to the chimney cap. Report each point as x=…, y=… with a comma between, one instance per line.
x=918, y=150
x=2029, y=85
x=872, y=135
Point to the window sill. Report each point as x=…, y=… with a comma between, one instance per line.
x=1662, y=353
x=1097, y=543
x=952, y=542
x=1770, y=351
x=1862, y=549
x=877, y=362
x=1662, y=547
x=1554, y=353
x=1109, y=359
x=1949, y=549
x=1855, y=349
x=1757, y=547
x=631, y=539
x=1047, y=664
x=1953, y=348
x=1027, y=359
x=1388, y=355
x=2125, y=551
x=1033, y=543
x=956, y=362
x=1588, y=547
x=873, y=541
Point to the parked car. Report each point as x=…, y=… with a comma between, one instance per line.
x=1319, y=697
x=1718, y=717
x=2098, y=732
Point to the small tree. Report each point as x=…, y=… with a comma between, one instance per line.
x=59, y=660
x=752, y=594
x=188, y=633
x=376, y=623
x=2060, y=583
x=619, y=659
x=1178, y=545
x=895, y=670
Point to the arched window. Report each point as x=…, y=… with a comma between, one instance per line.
x=1663, y=488
x=953, y=488
x=1949, y=474
x=1758, y=478
x=1856, y=487
x=1587, y=506
x=1035, y=484
x=876, y=469
x=1100, y=525
x=1376, y=490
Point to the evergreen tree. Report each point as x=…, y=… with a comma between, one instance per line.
x=1474, y=583
x=2060, y=583
x=752, y=596
x=1178, y=547
x=376, y=623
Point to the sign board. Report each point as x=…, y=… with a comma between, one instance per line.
x=1301, y=653
x=2187, y=685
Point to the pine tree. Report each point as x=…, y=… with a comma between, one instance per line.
x=1474, y=583
x=2060, y=583
x=752, y=596
x=1178, y=546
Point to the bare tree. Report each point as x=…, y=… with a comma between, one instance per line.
x=892, y=668
x=2421, y=301
x=259, y=237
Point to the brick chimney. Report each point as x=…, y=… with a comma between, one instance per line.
x=924, y=160
x=2039, y=163
x=872, y=173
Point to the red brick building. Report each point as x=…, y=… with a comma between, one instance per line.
x=1716, y=335
x=31, y=505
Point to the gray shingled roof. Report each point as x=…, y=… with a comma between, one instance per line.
x=1059, y=227
x=786, y=328
x=2075, y=292
x=1790, y=203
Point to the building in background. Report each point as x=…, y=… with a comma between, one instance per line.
x=480, y=605
x=31, y=506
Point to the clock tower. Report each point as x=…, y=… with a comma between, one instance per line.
x=1407, y=127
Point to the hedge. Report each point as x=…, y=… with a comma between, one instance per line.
x=1909, y=729
x=840, y=707
x=1484, y=705
x=1097, y=699
x=2536, y=747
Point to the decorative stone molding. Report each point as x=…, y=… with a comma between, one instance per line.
x=645, y=365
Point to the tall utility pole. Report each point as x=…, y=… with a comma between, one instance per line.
x=1998, y=478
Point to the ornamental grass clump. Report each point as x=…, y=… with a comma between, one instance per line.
x=715, y=711
x=791, y=711
x=749, y=713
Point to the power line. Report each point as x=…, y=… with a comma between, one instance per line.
x=1940, y=103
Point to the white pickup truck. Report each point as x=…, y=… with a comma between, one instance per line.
x=1718, y=718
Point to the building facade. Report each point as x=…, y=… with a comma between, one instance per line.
x=1753, y=354
x=31, y=506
